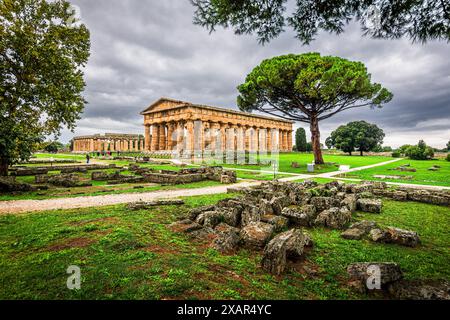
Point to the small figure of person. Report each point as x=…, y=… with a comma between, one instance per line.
x=88, y=157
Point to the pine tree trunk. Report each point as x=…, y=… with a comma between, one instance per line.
x=361, y=152
x=315, y=141
x=4, y=167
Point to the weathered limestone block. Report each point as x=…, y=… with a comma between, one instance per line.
x=358, y=230
x=403, y=237
x=353, y=234
x=360, y=188
x=82, y=169
x=286, y=245
x=280, y=202
x=323, y=203
x=228, y=177
x=265, y=207
x=279, y=223
x=369, y=205
x=8, y=184
x=302, y=216
x=256, y=234
x=400, y=195
x=100, y=176
x=227, y=238
x=212, y=218
x=296, y=217
x=232, y=216
x=364, y=225
x=29, y=171
x=149, y=204
x=339, y=185
x=395, y=235
x=349, y=202
x=389, y=271
x=250, y=214
x=420, y=289
x=335, y=218
x=194, y=213
x=379, y=235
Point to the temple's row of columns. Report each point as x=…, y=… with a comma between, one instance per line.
x=199, y=135
x=112, y=144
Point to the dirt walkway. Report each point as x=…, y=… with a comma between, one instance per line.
x=21, y=206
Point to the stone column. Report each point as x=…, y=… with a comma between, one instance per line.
x=170, y=134
x=180, y=137
x=281, y=137
x=190, y=137
x=162, y=137
x=269, y=139
x=247, y=138
x=214, y=129
x=289, y=137
x=255, y=139
x=155, y=138
x=223, y=137
x=284, y=140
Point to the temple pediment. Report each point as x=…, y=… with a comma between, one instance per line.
x=164, y=104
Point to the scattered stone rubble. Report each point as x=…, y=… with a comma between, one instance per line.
x=261, y=216
x=437, y=197
x=405, y=168
x=150, y=204
x=9, y=184
x=375, y=233
x=272, y=217
x=62, y=180
x=32, y=171
x=184, y=176
x=115, y=177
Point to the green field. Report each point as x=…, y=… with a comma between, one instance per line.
x=422, y=176
x=332, y=162
x=133, y=255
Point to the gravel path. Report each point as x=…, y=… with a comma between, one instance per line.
x=21, y=206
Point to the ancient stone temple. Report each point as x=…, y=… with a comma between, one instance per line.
x=109, y=142
x=172, y=125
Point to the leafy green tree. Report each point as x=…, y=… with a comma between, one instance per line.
x=309, y=147
x=403, y=148
x=53, y=147
x=420, y=152
x=42, y=53
x=448, y=145
x=342, y=139
x=357, y=135
x=310, y=88
x=420, y=20
x=300, y=140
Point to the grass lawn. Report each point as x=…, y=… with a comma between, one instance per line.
x=133, y=255
x=333, y=162
x=422, y=176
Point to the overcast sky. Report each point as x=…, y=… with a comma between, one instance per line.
x=145, y=49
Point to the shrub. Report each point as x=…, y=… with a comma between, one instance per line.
x=420, y=152
x=448, y=157
x=396, y=154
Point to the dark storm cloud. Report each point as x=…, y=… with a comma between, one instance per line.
x=145, y=49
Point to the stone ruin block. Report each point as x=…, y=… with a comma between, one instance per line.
x=286, y=245
x=389, y=271
x=370, y=205
x=256, y=234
